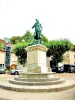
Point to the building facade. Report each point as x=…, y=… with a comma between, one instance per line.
x=7, y=56
x=13, y=58
x=69, y=57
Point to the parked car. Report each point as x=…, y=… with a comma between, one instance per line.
x=72, y=69
x=2, y=70
x=58, y=69
x=54, y=69
x=16, y=71
x=69, y=68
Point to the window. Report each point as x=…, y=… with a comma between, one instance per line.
x=0, y=65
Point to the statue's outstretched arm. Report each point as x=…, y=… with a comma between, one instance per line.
x=33, y=26
x=41, y=26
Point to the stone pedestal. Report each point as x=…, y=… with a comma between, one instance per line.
x=48, y=64
x=36, y=59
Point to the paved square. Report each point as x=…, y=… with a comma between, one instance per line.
x=63, y=95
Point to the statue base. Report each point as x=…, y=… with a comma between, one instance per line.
x=36, y=59
x=34, y=42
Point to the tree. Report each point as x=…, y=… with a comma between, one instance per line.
x=27, y=36
x=56, y=49
x=44, y=38
x=1, y=46
x=20, y=52
x=15, y=39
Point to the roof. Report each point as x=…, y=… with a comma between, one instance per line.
x=3, y=41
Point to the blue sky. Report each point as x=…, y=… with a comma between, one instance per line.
x=56, y=16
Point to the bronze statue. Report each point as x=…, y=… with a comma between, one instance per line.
x=38, y=29
x=36, y=38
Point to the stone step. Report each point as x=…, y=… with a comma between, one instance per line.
x=49, y=88
x=37, y=83
x=37, y=79
x=37, y=75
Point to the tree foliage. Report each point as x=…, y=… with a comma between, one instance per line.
x=20, y=44
x=44, y=39
x=20, y=52
x=1, y=46
x=27, y=36
x=15, y=39
x=57, y=48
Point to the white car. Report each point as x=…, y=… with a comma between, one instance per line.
x=60, y=69
x=15, y=71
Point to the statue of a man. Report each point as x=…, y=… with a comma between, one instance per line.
x=38, y=29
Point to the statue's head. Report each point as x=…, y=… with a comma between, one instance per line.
x=37, y=20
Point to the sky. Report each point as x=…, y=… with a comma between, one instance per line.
x=56, y=16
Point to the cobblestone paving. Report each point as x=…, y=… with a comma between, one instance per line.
x=63, y=95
